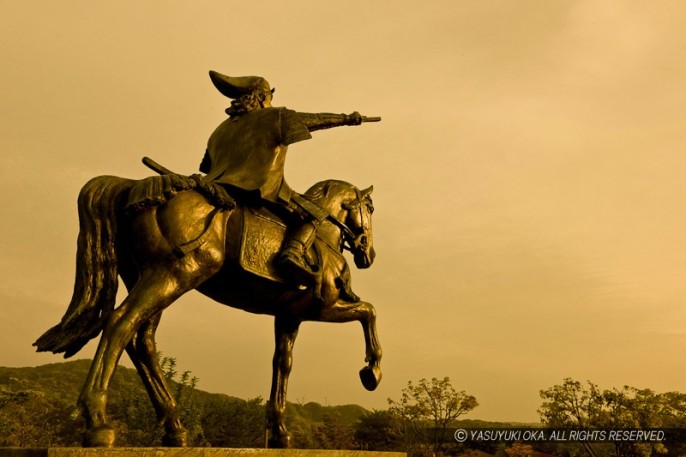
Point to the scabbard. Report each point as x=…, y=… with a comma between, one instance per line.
x=156, y=167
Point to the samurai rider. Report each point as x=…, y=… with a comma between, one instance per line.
x=247, y=153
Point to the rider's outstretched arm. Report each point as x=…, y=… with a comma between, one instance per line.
x=319, y=121
x=297, y=126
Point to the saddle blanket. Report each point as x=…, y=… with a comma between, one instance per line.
x=262, y=238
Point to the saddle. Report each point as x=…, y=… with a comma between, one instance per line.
x=255, y=235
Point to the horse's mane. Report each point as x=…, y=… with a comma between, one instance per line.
x=323, y=189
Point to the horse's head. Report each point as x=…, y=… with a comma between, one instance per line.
x=359, y=220
x=352, y=210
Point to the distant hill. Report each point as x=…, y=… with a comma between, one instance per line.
x=65, y=377
x=65, y=380
x=60, y=383
x=36, y=405
x=314, y=412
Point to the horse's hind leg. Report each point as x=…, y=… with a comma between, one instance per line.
x=364, y=312
x=143, y=353
x=151, y=294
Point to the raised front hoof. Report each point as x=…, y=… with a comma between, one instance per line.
x=176, y=438
x=370, y=377
x=102, y=436
x=279, y=442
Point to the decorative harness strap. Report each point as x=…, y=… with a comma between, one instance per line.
x=182, y=250
x=321, y=215
x=361, y=239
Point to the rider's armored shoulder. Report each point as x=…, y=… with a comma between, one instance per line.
x=293, y=129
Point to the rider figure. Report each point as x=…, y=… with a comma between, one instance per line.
x=248, y=150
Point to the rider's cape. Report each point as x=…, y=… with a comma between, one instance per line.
x=249, y=151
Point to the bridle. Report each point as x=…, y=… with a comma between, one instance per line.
x=352, y=242
x=349, y=241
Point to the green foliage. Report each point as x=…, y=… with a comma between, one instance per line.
x=378, y=431
x=231, y=422
x=585, y=406
x=425, y=411
x=315, y=426
x=518, y=449
x=333, y=433
x=37, y=406
x=29, y=419
x=190, y=408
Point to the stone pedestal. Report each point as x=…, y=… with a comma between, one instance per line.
x=187, y=452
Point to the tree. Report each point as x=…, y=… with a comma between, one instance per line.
x=578, y=406
x=29, y=418
x=377, y=431
x=518, y=449
x=425, y=411
x=571, y=404
x=332, y=433
x=190, y=411
x=232, y=422
x=133, y=415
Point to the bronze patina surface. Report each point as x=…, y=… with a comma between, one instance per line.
x=169, y=234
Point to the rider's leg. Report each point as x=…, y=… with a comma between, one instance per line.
x=293, y=256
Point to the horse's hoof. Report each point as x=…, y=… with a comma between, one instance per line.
x=175, y=438
x=102, y=436
x=370, y=377
x=279, y=442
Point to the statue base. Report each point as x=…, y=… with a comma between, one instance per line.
x=187, y=452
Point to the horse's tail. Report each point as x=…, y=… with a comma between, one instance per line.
x=95, y=287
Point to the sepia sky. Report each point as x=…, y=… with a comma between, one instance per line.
x=529, y=178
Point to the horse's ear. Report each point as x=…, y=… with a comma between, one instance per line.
x=366, y=192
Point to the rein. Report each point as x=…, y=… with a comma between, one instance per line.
x=350, y=240
x=353, y=242
x=348, y=235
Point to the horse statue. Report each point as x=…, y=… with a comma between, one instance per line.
x=190, y=239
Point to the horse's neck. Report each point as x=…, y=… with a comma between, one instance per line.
x=328, y=231
x=333, y=205
x=331, y=235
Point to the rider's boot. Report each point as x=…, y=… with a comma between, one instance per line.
x=292, y=258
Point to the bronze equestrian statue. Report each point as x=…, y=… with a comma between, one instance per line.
x=248, y=152
x=238, y=235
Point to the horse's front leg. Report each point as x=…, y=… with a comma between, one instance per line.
x=344, y=311
x=285, y=331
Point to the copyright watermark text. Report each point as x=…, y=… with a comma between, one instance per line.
x=464, y=435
